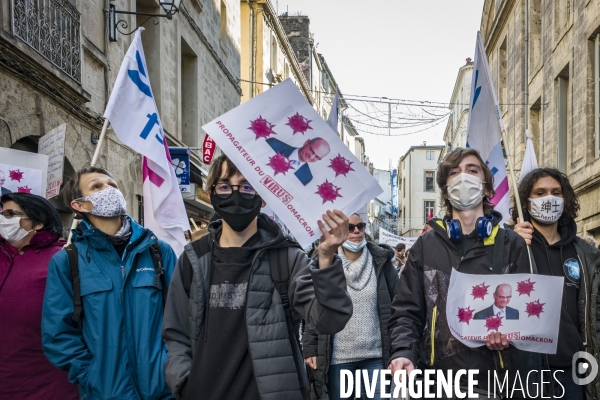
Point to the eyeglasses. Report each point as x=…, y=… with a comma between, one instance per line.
x=361, y=227
x=224, y=190
x=313, y=152
x=8, y=214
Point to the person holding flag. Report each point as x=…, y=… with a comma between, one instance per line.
x=468, y=239
x=103, y=305
x=550, y=206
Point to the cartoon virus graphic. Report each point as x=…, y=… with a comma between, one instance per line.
x=261, y=128
x=465, y=314
x=525, y=287
x=534, y=308
x=341, y=165
x=279, y=163
x=480, y=291
x=493, y=323
x=15, y=175
x=23, y=189
x=328, y=191
x=299, y=124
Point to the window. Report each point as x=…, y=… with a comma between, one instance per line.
x=273, y=54
x=502, y=91
x=429, y=210
x=535, y=32
x=404, y=216
x=597, y=95
x=562, y=111
x=223, y=23
x=189, y=95
x=404, y=187
x=429, y=181
x=430, y=155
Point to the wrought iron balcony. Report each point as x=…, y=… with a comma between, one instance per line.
x=52, y=29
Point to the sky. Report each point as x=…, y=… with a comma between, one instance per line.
x=399, y=49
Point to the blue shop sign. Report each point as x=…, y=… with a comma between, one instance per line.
x=180, y=158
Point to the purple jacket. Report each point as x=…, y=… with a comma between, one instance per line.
x=25, y=373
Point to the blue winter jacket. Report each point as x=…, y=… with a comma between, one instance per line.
x=118, y=353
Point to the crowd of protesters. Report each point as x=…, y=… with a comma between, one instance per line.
x=246, y=313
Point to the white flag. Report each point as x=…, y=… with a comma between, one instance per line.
x=333, y=114
x=529, y=160
x=484, y=132
x=133, y=115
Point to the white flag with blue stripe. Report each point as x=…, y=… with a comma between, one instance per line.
x=484, y=132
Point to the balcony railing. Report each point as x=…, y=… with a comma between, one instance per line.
x=51, y=28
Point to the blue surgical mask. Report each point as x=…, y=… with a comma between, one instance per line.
x=394, y=259
x=354, y=247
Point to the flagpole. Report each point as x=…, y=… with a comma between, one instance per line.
x=516, y=191
x=93, y=163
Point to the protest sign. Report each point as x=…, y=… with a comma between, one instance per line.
x=23, y=172
x=387, y=237
x=294, y=160
x=52, y=144
x=526, y=308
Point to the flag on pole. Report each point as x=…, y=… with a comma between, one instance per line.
x=333, y=114
x=529, y=160
x=133, y=115
x=484, y=131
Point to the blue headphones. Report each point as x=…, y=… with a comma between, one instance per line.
x=484, y=228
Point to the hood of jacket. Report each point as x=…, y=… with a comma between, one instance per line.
x=568, y=233
x=40, y=240
x=439, y=226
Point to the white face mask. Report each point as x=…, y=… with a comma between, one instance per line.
x=108, y=202
x=10, y=229
x=465, y=191
x=546, y=210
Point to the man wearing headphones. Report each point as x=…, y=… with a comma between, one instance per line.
x=470, y=240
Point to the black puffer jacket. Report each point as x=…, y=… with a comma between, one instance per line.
x=420, y=303
x=321, y=345
x=317, y=295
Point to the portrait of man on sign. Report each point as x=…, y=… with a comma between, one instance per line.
x=311, y=151
x=500, y=308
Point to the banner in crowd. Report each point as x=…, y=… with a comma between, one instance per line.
x=529, y=160
x=293, y=159
x=485, y=127
x=387, y=237
x=23, y=172
x=524, y=307
x=134, y=117
x=53, y=145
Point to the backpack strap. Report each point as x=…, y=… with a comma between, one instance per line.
x=73, y=255
x=280, y=274
x=159, y=277
x=200, y=247
x=498, y=252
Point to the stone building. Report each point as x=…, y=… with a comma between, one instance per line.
x=418, y=194
x=455, y=134
x=57, y=66
x=551, y=88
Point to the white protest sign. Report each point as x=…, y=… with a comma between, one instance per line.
x=524, y=307
x=23, y=172
x=52, y=144
x=293, y=159
x=388, y=237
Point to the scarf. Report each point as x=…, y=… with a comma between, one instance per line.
x=358, y=272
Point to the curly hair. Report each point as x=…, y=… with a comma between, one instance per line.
x=451, y=161
x=571, y=201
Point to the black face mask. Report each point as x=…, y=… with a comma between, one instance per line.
x=237, y=211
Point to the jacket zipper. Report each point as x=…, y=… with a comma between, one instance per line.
x=122, y=280
x=501, y=359
x=433, y=318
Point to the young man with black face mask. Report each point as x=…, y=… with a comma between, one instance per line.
x=468, y=240
x=225, y=320
x=550, y=207
x=111, y=347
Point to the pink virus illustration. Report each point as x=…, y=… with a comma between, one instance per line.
x=493, y=323
x=480, y=291
x=525, y=287
x=341, y=165
x=23, y=189
x=279, y=163
x=328, y=191
x=15, y=174
x=261, y=128
x=534, y=308
x=299, y=124
x=465, y=314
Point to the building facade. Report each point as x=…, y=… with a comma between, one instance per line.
x=58, y=66
x=455, y=134
x=418, y=194
x=551, y=88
